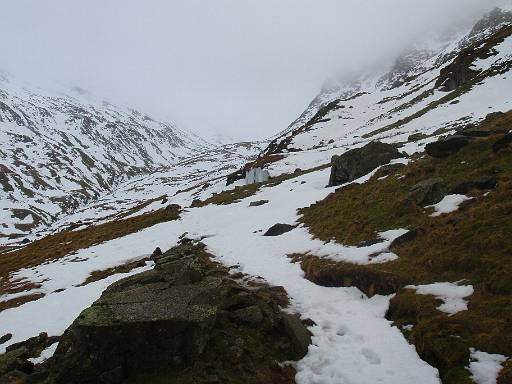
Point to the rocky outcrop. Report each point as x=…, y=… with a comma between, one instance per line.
x=185, y=320
x=361, y=161
x=428, y=192
x=447, y=146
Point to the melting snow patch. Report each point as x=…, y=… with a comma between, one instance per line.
x=45, y=354
x=485, y=367
x=451, y=294
x=373, y=254
x=449, y=204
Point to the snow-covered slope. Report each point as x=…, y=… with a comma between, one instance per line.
x=440, y=84
x=433, y=89
x=61, y=150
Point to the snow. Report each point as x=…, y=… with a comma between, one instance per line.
x=485, y=367
x=352, y=342
x=451, y=294
x=450, y=203
x=45, y=354
x=54, y=312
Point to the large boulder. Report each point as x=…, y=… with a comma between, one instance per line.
x=361, y=161
x=428, y=192
x=447, y=146
x=185, y=320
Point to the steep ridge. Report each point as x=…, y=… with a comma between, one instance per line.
x=61, y=150
x=434, y=87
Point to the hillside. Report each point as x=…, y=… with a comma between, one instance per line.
x=61, y=150
x=378, y=250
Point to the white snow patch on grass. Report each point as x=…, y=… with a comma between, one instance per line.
x=485, y=367
x=450, y=203
x=451, y=294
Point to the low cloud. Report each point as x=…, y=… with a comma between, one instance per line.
x=244, y=68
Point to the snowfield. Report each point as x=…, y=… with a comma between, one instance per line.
x=352, y=342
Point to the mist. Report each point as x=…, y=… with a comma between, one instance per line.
x=245, y=68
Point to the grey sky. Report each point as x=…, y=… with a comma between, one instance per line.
x=246, y=68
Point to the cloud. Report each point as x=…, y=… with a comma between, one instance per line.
x=243, y=67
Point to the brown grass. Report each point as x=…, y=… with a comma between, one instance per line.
x=56, y=246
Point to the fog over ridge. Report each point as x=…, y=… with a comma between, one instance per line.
x=244, y=68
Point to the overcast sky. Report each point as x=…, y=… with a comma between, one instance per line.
x=246, y=68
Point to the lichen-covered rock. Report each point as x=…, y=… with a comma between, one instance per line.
x=186, y=313
x=361, y=161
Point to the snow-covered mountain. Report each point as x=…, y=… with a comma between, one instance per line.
x=401, y=272
x=60, y=150
x=440, y=84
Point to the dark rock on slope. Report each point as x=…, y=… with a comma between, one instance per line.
x=184, y=321
x=446, y=147
x=279, y=229
x=360, y=161
x=428, y=192
x=503, y=143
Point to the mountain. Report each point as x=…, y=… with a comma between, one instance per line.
x=60, y=150
x=383, y=231
x=436, y=86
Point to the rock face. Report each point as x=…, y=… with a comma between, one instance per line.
x=184, y=320
x=358, y=162
x=428, y=192
x=446, y=147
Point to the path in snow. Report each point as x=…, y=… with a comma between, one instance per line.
x=352, y=342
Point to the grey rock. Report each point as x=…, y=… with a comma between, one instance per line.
x=428, y=192
x=299, y=334
x=258, y=203
x=5, y=338
x=479, y=183
x=447, y=146
x=360, y=161
x=165, y=319
x=279, y=229
x=416, y=137
x=249, y=315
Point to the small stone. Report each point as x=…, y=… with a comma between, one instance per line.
x=5, y=338
x=258, y=203
x=156, y=253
